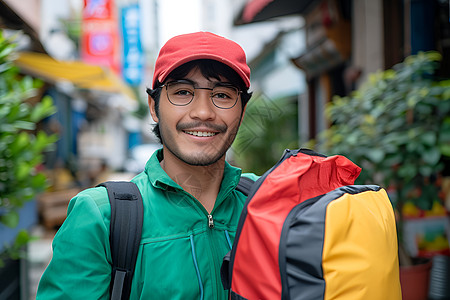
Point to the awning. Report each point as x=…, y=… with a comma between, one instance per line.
x=263, y=10
x=13, y=19
x=80, y=74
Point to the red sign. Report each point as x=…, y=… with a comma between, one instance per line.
x=99, y=38
x=98, y=9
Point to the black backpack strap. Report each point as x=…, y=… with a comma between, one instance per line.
x=245, y=185
x=127, y=214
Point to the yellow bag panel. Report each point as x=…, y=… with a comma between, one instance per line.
x=360, y=256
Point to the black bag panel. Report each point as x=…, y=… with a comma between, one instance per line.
x=224, y=274
x=301, y=251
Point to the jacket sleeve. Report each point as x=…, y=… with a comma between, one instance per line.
x=81, y=264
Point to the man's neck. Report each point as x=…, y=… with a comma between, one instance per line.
x=202, y=182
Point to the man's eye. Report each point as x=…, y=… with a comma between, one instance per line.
x=221, y=96
x=183, y=93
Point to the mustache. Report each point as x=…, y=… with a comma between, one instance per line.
x=214, y=127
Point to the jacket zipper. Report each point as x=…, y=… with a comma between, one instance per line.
x=213, y=253
x=210, y=221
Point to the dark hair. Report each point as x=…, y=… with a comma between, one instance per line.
x=209, y=69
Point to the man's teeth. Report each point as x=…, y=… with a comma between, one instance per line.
x=201, y=133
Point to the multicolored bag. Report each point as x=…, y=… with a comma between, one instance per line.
x=307, y=233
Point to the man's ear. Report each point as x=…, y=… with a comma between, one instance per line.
x=151, y=105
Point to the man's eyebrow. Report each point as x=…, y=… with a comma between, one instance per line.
x=194, y=83
x=180, y=80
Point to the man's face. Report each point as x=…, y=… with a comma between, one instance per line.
x=199, y=133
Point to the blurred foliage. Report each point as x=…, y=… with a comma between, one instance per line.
x=21, y=145
x=268, y=128
x=17, y=250
x=397, y=128
x=142, y=110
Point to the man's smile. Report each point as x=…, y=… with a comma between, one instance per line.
x=201, y=133
x=202, y=129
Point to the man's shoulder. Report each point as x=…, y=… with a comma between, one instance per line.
x=96, y=196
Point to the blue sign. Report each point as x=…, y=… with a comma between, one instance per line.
x=133, y=57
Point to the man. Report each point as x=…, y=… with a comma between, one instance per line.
x=191, y=208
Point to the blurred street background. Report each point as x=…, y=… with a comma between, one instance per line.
x=368, y=79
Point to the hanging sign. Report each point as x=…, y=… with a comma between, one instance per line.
x=99, y=37
x=133, y=58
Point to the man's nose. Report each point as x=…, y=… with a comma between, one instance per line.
x=202, y=106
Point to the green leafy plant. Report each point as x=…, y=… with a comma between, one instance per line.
x=397, y=128
x=268, y=128
x=21, y=145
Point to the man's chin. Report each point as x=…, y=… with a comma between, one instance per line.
x=200, y=160
x=195, y=156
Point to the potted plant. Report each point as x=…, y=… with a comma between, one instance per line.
x=397, y=128
x=21, y=148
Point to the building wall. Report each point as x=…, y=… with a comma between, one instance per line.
x=367, y=35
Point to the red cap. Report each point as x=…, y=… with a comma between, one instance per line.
x=200, y=45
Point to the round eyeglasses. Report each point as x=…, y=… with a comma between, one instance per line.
x=181, y=93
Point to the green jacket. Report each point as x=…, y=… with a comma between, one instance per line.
x=179, y=256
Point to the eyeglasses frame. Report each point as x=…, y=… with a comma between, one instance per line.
x=200, y=88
